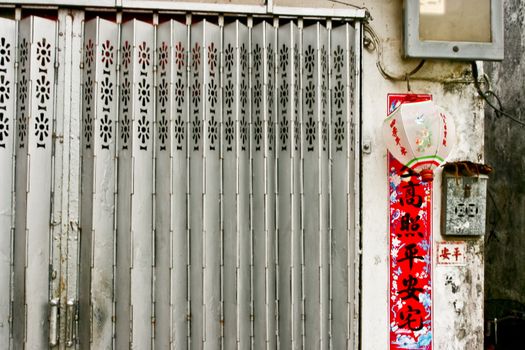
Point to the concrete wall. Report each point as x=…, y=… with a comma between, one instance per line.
x=458, y=291
x=505, y=151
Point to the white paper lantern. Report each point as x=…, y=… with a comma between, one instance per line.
x=420, y=135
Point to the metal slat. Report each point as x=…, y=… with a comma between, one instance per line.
x=211, y=205
x=259, y=176
x=270, y=184
x=323, y=131
x=135, y=253
x=98, y=186
x=171, y=240
x=66, y=186
x=88, y=168
x=355, y=181
x=296, y=233
x=244, y=307
x=340, y=210
x=311, y=190
x=284, y=182
x=34, y=170
x=163, y=192
x=196, y=186
x=230, y=112
x=8, y=44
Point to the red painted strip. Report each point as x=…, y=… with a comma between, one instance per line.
x=410, y=238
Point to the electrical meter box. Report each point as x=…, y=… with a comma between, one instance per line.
x=464, y=205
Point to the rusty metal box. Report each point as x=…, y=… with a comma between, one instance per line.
x=464, y=204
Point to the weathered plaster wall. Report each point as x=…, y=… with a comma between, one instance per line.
x=505, y=151
x=458, y=291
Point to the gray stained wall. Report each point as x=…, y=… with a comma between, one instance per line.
x=505, y=151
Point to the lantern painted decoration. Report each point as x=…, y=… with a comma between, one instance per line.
x=420, y=135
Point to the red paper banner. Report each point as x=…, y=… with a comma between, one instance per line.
x=410, y=236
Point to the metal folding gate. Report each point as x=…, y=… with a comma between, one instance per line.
x=194, y=184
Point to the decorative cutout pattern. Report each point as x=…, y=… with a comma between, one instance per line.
x=338, y=98
x=106, y=94
x=4, y=129
x=6, y=90
x=87, y=119
x=23, y=92
x=270, y=94
x=310, y=97
x=144, y=90
x=125, y=95
x=43, y=92
x=213, y=97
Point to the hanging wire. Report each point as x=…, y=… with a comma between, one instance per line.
x=350, y=5
x=375, y=43
x=488, y=92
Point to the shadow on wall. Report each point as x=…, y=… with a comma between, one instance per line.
x=504, y=325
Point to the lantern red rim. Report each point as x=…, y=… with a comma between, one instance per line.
x=428, y=160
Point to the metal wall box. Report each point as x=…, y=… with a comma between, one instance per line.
x=464, y=205
x=451, y=29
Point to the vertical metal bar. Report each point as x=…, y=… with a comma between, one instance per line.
x=355, y=159
x=311, y=190
x=8, y=54
x=230, y=110
x=243, y=211
x=259, y=183
x=163, y=187
x=136, y=249
x=179, y=224
x=195, y=179
x=285, y=182
x=328, y=155
x=124, y=190
x=34, y=170
x=98, y=186
x=339, y=100
x=250, y=176
x=59, y=185
x=211, y=194
x=21, y=185
x=142, y=186
x=322, y=114
x=189, y=144
x=269, y=184
x=296, y=234
x=299, y=60
x=66, y=166
x=221, y=179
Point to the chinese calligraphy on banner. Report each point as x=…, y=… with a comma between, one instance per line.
x=410, y=236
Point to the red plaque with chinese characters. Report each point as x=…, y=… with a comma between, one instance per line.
x=410, y=237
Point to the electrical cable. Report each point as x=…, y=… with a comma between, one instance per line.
x=499, y=110
x=376, y=42
x=351, y=5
